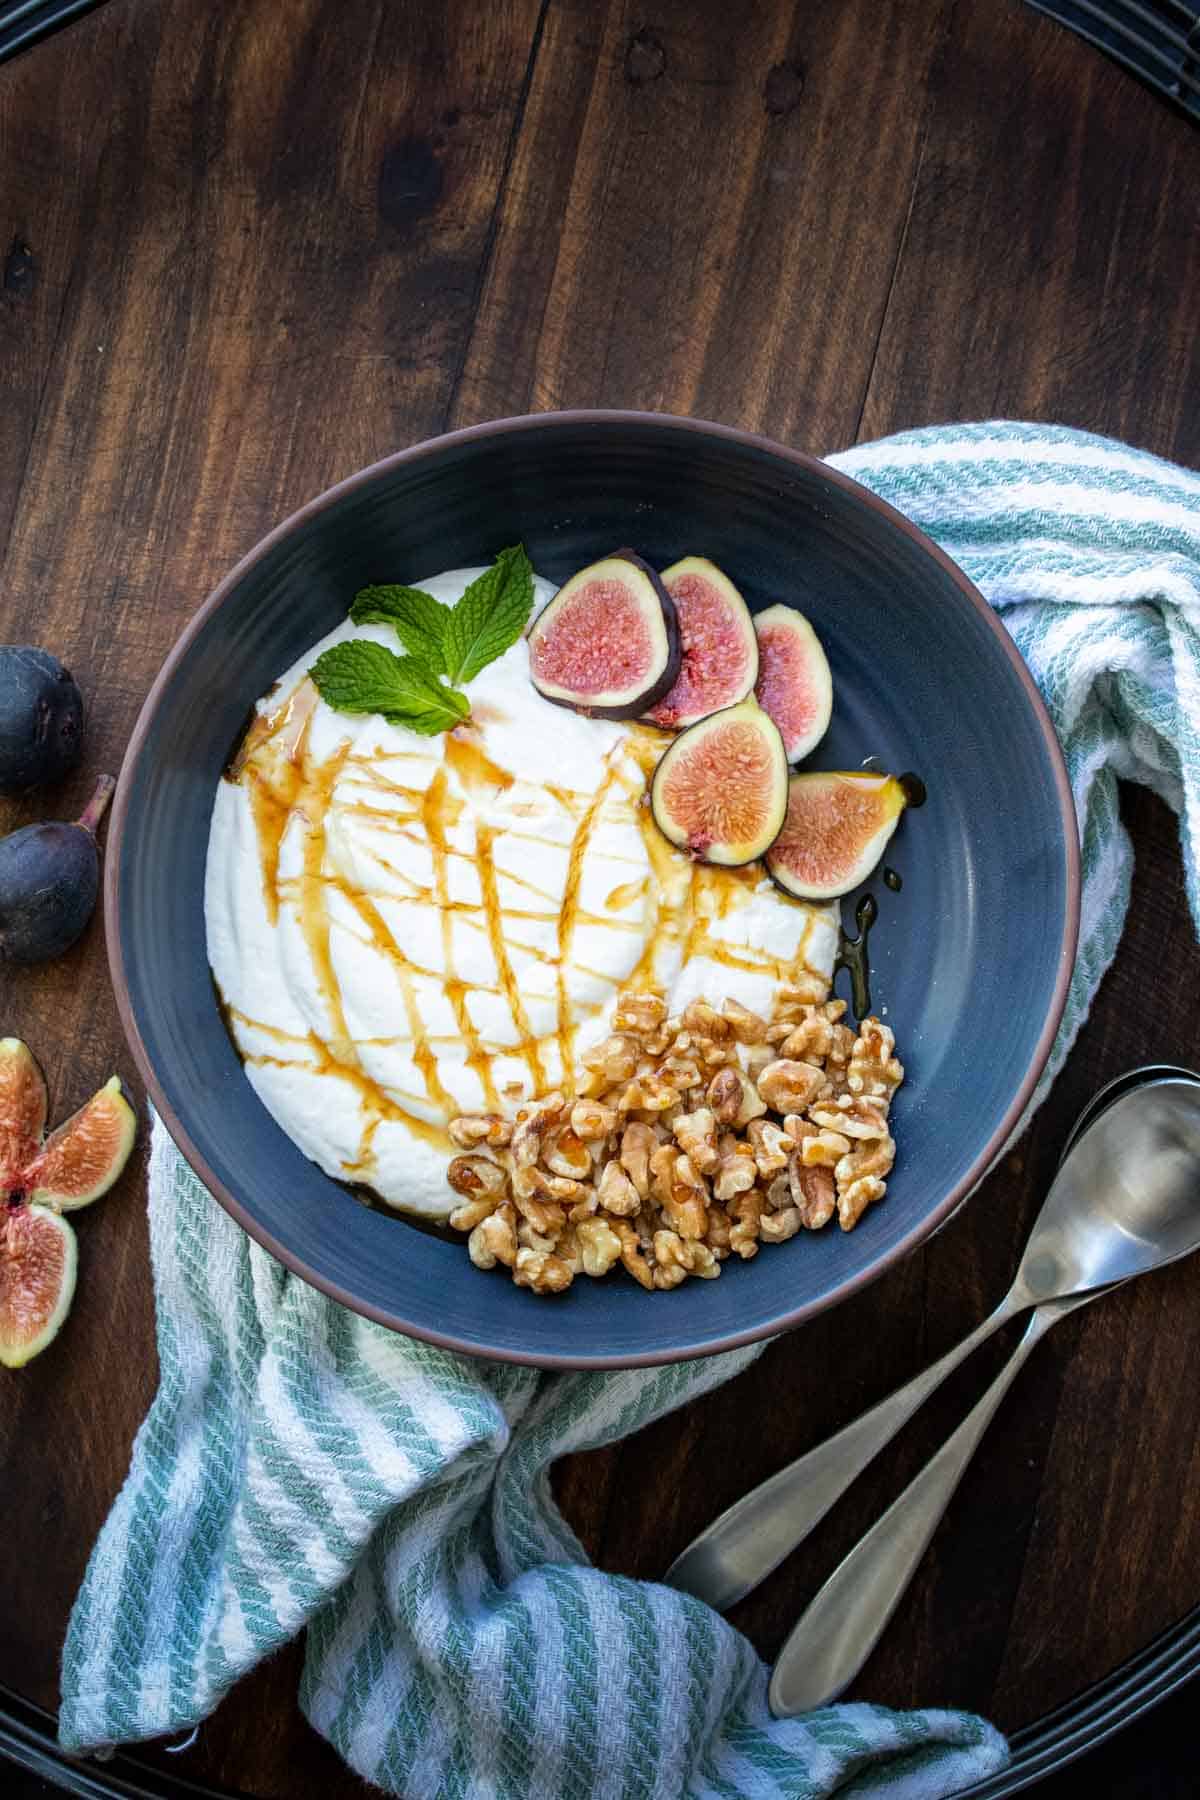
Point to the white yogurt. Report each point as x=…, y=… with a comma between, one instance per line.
x=450, y=920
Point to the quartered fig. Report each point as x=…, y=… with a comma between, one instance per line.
x=608, y=642
x=38, y=1181
x=836, y=830
x=720, y=789
x=75, y=1164
x=719, y=663
x=37, y=1280
x=41, y=718
x=81, y=1160
x=23, y=1106
x=49, y=877
x=794, y=684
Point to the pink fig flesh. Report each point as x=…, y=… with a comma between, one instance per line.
x=794, y=684
x=608, y=643
x=720, y=650
x=37, y=1280
x=80, y=1161
x=22, y=1112
x=720, y=789
x=836, y=829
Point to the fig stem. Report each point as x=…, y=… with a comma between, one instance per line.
x=94, y=811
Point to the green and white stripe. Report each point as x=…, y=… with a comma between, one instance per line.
x=300, y=1466
x=1090, y=552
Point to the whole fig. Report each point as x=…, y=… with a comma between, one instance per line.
x=49, y=878
x=41, y=718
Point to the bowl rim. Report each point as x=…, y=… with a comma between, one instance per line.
x=419, y=452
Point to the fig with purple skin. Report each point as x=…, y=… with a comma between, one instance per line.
x=794, y=684
x=837, y=828
x=49, y=878
x=720, y=650
x=608, y=643
x=720, y=789
x=41, y=718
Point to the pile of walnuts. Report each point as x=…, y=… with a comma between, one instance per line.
x=691, y=1139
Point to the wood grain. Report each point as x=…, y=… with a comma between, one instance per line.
x=244, y=251
x=668, y=240
x=257, y=276
x=1052, y=253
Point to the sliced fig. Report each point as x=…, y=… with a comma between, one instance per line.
x=719, y=663
x=22, y=1110
x=608, y=643
x=81, y=1160
x=794, y=684
x=37, y=1280
x=720, y=789
x=835, y=832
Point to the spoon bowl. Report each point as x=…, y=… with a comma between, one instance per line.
x=1126, y=1197
x=1112, y=1090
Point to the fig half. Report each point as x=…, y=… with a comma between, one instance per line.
x=836, y=830
x=720, y=789
x=608, y=643
x=719, y=663
x=794, y=684
x=37, y=1280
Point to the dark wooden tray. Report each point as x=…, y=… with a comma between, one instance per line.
x=244, y=251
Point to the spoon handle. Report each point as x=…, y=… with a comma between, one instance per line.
x=751, y=1538
x=842, y=1624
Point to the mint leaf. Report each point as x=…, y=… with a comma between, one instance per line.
x=365, y=677
x=418, y=619
x=491, y=615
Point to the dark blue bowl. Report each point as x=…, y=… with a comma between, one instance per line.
x=970, y=960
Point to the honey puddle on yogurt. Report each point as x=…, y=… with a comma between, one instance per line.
x=286, y=783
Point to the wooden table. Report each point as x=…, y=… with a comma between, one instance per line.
x=247, y=250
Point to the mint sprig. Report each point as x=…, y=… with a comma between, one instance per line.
x=490, y=616
x=365, y=677
x=418, y=619
x=361, y=676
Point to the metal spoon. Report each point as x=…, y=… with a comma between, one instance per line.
x=1112, y=1090
x=1126, y=1200
x=1069, y=1251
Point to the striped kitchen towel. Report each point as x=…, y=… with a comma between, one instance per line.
x=302, y=1467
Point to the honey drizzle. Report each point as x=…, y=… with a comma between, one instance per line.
x=624, y=896
x=274, y=788
x=378, y=1104
x=527, y=1044
x=381, y=1105
x=283, y=782
x=422, y=1052
x=433, y=817
x=567, y=918
x=476, y=771
x=314, y=904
